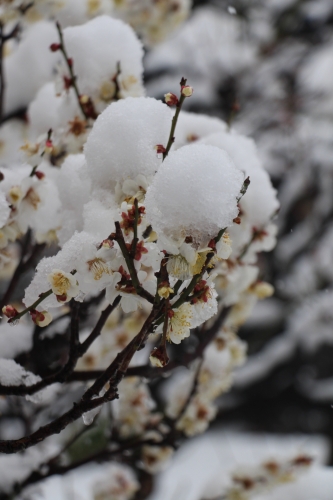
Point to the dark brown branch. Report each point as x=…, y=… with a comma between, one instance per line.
x=56, y=426
x=99, y=325
x=55, y=469
x=76, y=351
x=151, y=372
x=113, y=374
x=23, y=266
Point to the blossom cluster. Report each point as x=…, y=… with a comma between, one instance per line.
x=138, y=209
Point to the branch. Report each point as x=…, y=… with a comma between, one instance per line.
x=98, y=327
x=76, y=351
x=113, y=374
x=119, y=237
x=73, y=83
x=22, y=267
x=151, y=372
x=175, y=120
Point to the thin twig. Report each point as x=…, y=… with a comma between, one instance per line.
x=69, y=64
x=174, y=121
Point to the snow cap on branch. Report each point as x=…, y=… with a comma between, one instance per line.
x=122, y=143
x=194, y=193
x=102, y=63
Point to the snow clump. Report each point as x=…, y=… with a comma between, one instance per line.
x=122, y=143
x=194, y=193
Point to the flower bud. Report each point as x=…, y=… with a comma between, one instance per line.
x=40, y=175
x=262, y=289
x=84, y=99
x=160, y=149
x=164, y=290
x=48, y=146
x=54, y=47
x=171, y=99
x=9, y=311
x=159, y=356
x=41, y=318
x=187, y=91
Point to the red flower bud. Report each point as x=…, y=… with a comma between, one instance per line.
x=9, y=311
x=39, y=175
x=54, y=47
x=171, y=99
x=160, y=149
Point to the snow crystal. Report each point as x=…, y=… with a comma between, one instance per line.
x=11, y=373
x=122, y=142
x=194, y=193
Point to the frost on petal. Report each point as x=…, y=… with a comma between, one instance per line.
x=194, y=193
x=122, y=142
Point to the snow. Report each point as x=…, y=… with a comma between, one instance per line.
x=14, y=341
x=74, y=191
x=96, y=51
x=32, y=52
x=194, y=193
x=11, y=373
x=194, y=126
x=260, y=201
x=122, y=142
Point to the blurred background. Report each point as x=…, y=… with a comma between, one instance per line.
x=266, y=67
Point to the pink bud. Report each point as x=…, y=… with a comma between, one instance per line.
x=40, y=318
x=39, y=175
x=160, y=149
x=9, y=311
x=171, y=99
x=54, y=47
